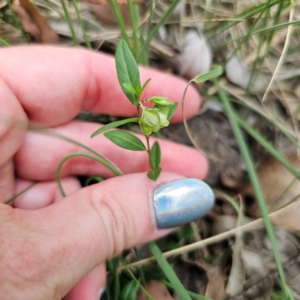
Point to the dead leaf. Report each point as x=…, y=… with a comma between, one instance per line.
x=215, y=288
x=278, y=184
x=29, y=26
x=237, y=273
x=35, y=24
x=288, y=217
x=157, y=290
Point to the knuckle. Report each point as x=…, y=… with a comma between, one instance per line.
x=118, y=225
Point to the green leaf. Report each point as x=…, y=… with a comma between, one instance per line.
x=141, y=89
x=172, y=109
x=129, y=291
x=125, y=140
x=114, y=125
x=130, y=88
x=127, y=70
x=155, y=156
x=214, y=72
x=160, y=101
x=153, y=174
x=168, y=270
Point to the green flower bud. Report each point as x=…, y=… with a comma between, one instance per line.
x=163, y=112
x=149, y=121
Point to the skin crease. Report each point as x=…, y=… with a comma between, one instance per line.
x=52, y=247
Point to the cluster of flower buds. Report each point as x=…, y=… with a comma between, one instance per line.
x=158, y=116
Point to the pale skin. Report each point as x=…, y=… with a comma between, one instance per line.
x=53, y=247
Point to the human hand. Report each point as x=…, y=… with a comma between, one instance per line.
x=49, y=247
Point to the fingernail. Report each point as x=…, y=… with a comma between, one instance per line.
x=180, y=202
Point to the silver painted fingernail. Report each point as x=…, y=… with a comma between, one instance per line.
x=181, y=202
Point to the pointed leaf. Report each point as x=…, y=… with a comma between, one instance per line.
x=114, y=125
x=160, y=101
x=214, y=72
x=172, y=109
x=127, y=70
x=141, y=90
x=154, y=174
x=155, y=156
x=125, y=140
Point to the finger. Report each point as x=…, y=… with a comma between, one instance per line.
x=91, y=286
x=11, y=137
x=44, y=193
x=56, y=83
x=41, y=154
x=97, y=223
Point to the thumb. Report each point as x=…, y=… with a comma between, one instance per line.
x=70, y=238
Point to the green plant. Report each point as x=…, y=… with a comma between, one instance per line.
x=150, y=119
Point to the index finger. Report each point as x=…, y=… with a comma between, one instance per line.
x=54, y=84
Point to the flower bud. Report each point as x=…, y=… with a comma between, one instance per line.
x=149, y=121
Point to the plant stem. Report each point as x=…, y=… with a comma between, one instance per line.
x=148, y=144
x=87, y=41
x=20, y=193
x=74, y=37
x=119, y=18
x=76, y=154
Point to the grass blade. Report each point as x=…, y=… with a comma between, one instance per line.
x=3, y=42
x=119, y=18
x=268, y=146
x=255, y=183
x=68, y=18
x=169, y=272
x=157, y=26
x=87, y=41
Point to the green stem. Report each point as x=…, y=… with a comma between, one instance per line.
x=87, y=41
x=3, y=42
x=157, y=26
x=119, y=18
x=49, y=132
x=74, y=37
x=20, y=193
x=76, y=154
x=133, y=27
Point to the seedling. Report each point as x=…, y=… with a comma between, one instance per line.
x=150, y=119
